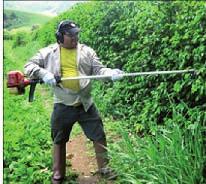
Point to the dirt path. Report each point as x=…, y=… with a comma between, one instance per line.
x=82, y=163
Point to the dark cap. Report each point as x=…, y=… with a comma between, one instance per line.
x=68, y=26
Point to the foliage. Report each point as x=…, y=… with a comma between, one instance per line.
x=167, y=112
x=27, y=142
x=7, y=35
x=21, y=38
x=143, y=36
x=170, y=156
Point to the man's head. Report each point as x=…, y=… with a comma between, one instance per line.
x=67, y=34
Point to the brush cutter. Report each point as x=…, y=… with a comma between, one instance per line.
x=16, y=82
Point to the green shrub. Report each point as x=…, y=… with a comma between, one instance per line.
x=21, y=38
x=7, y=35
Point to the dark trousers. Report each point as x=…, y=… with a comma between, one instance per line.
x=62, y=121
x=64, y=117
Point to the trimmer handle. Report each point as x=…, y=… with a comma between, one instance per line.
x=58, y=79
x=33, y=86
x=33, y=83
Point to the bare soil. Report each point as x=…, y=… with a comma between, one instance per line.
x=82, y=161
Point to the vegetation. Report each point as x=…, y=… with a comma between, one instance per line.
x=161, y=119
x=26, y=137
x=15, y=19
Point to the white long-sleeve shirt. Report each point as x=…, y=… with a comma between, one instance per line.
x=48, y=60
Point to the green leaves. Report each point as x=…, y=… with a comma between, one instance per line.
x=178, y=86
x=27, y=142
x=162, y=158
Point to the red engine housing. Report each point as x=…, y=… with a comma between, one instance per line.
x=15, y=79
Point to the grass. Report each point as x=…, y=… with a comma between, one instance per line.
x=27, y=142
x=173, y=155
x=24, y=19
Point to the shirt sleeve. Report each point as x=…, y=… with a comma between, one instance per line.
x=34, y=68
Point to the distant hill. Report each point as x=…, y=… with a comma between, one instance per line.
x=15, y=19
x=41, y=7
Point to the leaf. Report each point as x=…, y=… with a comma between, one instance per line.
x=177, y=87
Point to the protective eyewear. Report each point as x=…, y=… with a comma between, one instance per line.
x=72, y=35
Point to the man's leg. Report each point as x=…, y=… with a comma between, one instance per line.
x=101, y=153
x=59, y=162
x=62, y=120
x=103, y=160
x=92, y=126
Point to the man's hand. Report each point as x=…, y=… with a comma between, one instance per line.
x=49, y=79
x=116, y=74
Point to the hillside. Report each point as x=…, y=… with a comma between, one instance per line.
x=15, y=19
x=42, y=7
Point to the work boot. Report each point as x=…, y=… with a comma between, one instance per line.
x=102, y=160
x=59, y=163
x=107, y=173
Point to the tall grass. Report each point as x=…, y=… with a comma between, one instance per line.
x=175, y=155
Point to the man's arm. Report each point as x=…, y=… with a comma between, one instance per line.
x=34, y=68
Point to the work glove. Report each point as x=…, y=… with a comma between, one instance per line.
x=49, y=79
x=115, y=74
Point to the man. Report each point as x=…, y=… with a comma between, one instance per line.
x=72, y=98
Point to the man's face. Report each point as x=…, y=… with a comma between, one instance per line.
x=70, y=41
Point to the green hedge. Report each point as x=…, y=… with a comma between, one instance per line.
x=144, y=36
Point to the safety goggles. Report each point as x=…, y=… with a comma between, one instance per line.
x=73, y=35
